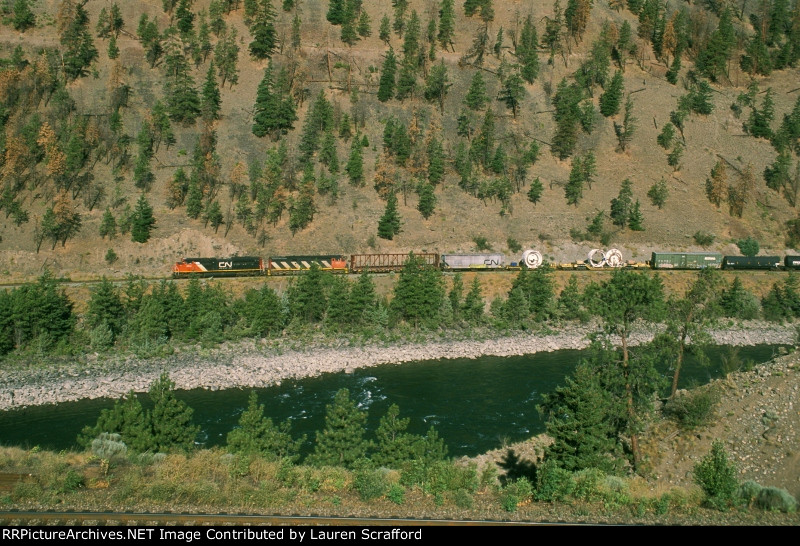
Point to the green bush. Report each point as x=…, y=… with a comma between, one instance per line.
x=396, y=493
x=692, y=409
x=370, y=484
x=463, y=499
x=589, y=484
x=553, y=483
x=748, y=491
x=748, y=246
x=776, y=500
x=72, y=482
x=481, y=243
x=109, y=446
x=513, y=245
x=703, y=238
x=716, y=476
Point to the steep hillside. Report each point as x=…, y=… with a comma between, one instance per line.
x=99, y=140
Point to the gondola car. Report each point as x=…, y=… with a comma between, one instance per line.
x=287, y=265
x=772, y=263
x=219, y=267
x=685, y=260
x=381, y=263
x=458, y=262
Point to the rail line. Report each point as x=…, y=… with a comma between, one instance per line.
x=10, y=518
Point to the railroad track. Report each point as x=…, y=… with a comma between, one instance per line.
x=22, y=518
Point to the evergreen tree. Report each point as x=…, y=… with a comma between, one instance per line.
x=361, y=300
x=622, y=205
x=406, y=81
x=265, y=38
x=142, y=221
x=437, y=85
x=227, y=56
x=336, y=12
x=355, y=164
x=636, y=218
x=170, y=420
x=473, y=303
x=712, y=61
x=113, y=49
x=341, y=442
x=22, y=18
x=327, y=153
x=274, y=109
x=527, y=51
x=182, y=100
x=419, y=292
x=108, y=225
x=447, y=24
x=395, y=446
x=573, y=191
x=386, y=86
x=78, y=47
x=301, y=210
x=105, y=308
x=427, y=199
x=389, y=224
x=717, y=185
x=476, y=97
x=658, y=193
x=567, y=116
x=384, y=31
x=213, y=215
x=626, y=130
x=666, y=135
x=759, y=123
x=535, y=191
x=127, y=418
x=210, y=100
x=256, y=434
x=436, y=161
x=578, y=418
x=512, y=92
x=611, y=98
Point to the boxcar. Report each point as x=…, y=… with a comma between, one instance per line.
x=685, y=260
x=473, y=261
x=218, y=267
x=751, y=262
x=378, y=263
x=287, y=265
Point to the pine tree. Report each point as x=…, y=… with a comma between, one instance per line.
x=327, y=153
x=265, y=39
x=611, y=98
x=717, y=185
x=170, y=419
x=447, y=24
x=579, y=419
x=526, y=51
x=301, y=210
x=437, y=85
x=256, y=434
x=622, y=205
x=227, y=56
x=573, y=191
x=213, y=215
x=658, y=193
x=567, y=116
x=336, y=12
x=535, y=191
x=389, y=224
x=476, y=97
x=210, y=100
x=395, y=446
x=512, y=92
x=384, y=32
x=143, y=221
x=274, y=109
x=636, y=218
x=626, y=131
x=341, y=442
x=419, y=292
x=22, y=18
x=108, y=225
x=386, y=86
x=113, y=49
x=78, y=50
x=355, y=163
x=427, y=199
x=666, y=135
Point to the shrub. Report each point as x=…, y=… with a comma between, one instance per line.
x=109, y=446
x=370, y=484
x=72, y=482
x=716, y=476
x=775, y=499
x=589, y=484
x=703, y=238
x=748, y=491
x=514, y=493
x=463, y=499
x=692, y=409
x=111, y=256
x=481, y=243
x=553, y=483
x=396, y=493
x=513, y=245
x=748, y=246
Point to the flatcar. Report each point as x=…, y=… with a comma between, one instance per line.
x=685, y=260
x=219, y=267
x=770, y=263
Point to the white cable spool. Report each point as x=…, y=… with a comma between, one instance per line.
x=614, y=258
x=597, y=258
x=532, y=259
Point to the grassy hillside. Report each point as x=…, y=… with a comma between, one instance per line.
x=97, y=119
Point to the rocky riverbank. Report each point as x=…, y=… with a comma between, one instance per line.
x=262, y=363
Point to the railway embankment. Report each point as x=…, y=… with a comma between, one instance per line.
x=261, y=363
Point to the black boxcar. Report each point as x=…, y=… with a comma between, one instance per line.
x=751, y=262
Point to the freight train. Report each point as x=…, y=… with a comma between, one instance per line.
x=531, y=259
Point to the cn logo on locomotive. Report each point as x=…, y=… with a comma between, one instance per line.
x=226, y=265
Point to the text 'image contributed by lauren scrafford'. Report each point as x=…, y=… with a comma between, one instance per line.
x=283, y=534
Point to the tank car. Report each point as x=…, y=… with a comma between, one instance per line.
x=772, y=263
